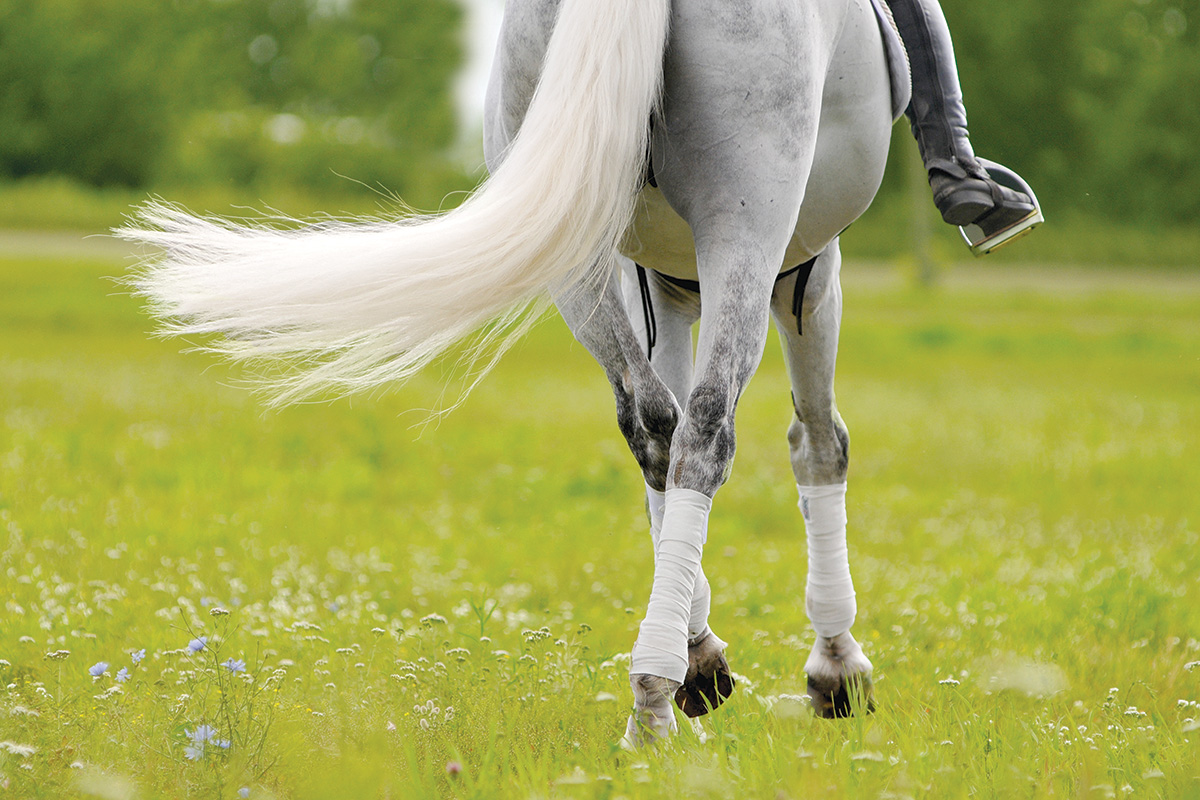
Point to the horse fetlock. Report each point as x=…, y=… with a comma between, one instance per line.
x=652, y=718
x=839, y=678
x=658, y=411
x=709, y=680
x=702, y=451
x=653, y=692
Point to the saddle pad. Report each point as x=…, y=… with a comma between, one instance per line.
x=897, y=59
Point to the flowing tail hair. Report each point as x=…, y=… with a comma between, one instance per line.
x=349, y=305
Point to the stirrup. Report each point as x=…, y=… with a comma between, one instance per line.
x=983, y=238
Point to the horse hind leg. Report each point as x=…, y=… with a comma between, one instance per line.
x=708, y=681
x=647, y=412
x=839, y=674
x=647, y=415
x=732, y=160
x=732, y=333
x=662, y=315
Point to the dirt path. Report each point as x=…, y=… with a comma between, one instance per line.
x=1057, y=279
x=62, y=244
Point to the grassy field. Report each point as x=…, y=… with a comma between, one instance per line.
x=334, y=601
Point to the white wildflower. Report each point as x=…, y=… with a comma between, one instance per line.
x=22, y=750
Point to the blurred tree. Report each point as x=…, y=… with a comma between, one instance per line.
x=72, y=99
x=248, y=92
x=316, y=91
x=1139, y=99
x=1097, y=102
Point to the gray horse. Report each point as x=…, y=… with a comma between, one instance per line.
x=767, y=123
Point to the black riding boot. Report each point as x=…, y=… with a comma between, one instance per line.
x=963, y=191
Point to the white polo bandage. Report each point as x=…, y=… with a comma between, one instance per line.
x=701, y=595
x=661, y=647
x=656, y=503
x=830, y=592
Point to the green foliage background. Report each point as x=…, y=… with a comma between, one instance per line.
x=237, y=93
x=1095, y=101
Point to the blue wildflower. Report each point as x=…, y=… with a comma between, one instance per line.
x=244, y=792
x=123, y=675
x=200, y=737
x=98, y=669
x=234, y=666
x=198, y=644
x=137, y=656
x=202, y=734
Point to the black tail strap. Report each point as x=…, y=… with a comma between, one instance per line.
x=647, y=311
x=802, y=274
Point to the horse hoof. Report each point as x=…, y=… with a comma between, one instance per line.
x=839, y=678
x=652, y=720
x=845, y=698
x=709, y=680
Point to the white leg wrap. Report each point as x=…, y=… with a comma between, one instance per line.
x=656, y=501
x=661, y=647
x=701, y=598
x=830, y=592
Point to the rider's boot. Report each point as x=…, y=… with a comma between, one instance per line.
x=963, y=190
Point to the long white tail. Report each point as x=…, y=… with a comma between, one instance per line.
x=352, y=305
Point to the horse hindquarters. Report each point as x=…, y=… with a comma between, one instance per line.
x=733, y=155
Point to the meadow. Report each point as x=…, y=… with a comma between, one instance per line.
x=205, y=599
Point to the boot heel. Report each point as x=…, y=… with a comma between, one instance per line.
x=964, y=207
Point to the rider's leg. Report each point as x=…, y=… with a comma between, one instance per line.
x=962, y=189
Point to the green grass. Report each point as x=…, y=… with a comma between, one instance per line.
x=1023, y=539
